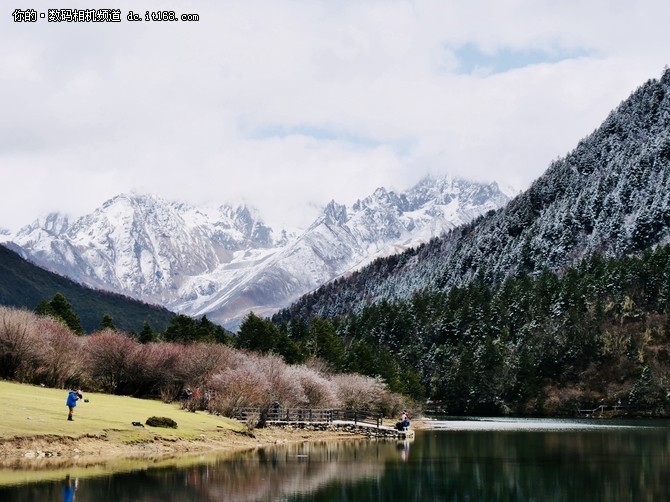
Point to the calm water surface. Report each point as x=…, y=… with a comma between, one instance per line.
x=458, y=460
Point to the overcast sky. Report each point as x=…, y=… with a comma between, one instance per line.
x=285, y=105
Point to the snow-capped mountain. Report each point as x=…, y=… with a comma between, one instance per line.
x=225, y=261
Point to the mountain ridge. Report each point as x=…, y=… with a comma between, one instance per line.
x=25, y=285
x=225, y=261
x=557, y=302
x=610, y=195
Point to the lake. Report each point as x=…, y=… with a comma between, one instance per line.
x=456, y=460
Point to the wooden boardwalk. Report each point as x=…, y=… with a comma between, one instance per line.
x=356, y=422
x=374, y=430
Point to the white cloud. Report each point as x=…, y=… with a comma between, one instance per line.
x=287, y=104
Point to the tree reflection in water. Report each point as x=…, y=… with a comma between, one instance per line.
x=563, y=464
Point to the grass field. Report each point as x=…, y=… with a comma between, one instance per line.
x=38, y=413
x=102, y=440
x=29, y=411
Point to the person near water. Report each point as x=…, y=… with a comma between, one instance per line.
x=403, y=425
x=72, y=398
x=404, y=418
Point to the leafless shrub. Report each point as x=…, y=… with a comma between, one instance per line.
x=360, y=392
x=109, y=356
x=391, y=404
x=199, y=361
x=319, y=366
x=284, y=387
x=162, y=362
x=60, y=354
x=239, y=386
x=251, y=422
x=318, y=390
x=150, y=368
x=19, y=344
x=257, y=381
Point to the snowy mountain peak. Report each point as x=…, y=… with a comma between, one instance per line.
x=335, y=214
x=54, y=223
x=5, y=234
x=224, y=261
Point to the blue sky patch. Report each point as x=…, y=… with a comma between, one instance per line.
x=316, y=132
x=473, y=60
x=401, y=147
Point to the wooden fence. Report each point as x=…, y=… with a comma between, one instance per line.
x=600, y=410
x=310, y=415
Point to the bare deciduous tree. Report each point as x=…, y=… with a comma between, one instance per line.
x=19, y=344
x=61, y=355
x=359, y=392
x=108, y=358
x=318, y=390
x=239, y=386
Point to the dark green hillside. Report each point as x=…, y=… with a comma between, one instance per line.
x=23, y=284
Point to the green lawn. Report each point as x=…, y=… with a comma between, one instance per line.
x=33, y=411
x=29, y=410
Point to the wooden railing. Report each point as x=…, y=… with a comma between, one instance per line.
x=616, y=408
x=310, y=415
x=355, y=416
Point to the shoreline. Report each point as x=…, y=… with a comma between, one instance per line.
x=109, y=434
x=44, y=452
x=50, y=452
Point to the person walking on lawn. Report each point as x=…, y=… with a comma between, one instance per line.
x=71, y=402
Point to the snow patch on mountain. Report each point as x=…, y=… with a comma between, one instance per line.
x=224, y=261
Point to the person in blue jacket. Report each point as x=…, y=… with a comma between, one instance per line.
x=71, y=402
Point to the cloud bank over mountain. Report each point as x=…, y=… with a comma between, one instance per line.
x=316, y=100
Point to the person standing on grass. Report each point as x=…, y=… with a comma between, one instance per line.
x=71, y=402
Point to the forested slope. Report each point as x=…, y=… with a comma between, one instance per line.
x=557, y=302
x=551, y=344
x=609, y=196
x=25, y=285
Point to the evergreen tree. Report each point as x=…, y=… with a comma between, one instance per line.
x=147, y=335
x=107, y=322
x=182, y=329
x=325, y=344
x=59, y=308
x=287, y=348
x=257, y=334
x=205, y=330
